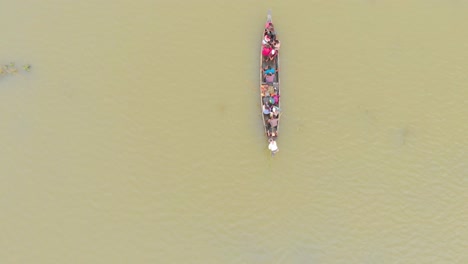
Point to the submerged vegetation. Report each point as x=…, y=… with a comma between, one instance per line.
x=9, y=69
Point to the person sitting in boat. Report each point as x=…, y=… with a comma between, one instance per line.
x=266, y=109
x=273, y=122
x=269, y=78
x=263, y=89
x=274, y=113
x=266, y=40
x=272, y=102
x=266, y=51
x=270, y=31
x=272, y=36
x=269, y=69
x=275, y=97
x=271, y=92
x=273, y=54
x=276, y=45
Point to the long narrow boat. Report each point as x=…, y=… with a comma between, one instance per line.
x=270, y=84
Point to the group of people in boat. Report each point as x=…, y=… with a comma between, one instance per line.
x=270, y=108
x=270, y=86
x=270, y=45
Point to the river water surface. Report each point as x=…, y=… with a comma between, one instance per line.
x=137, y=138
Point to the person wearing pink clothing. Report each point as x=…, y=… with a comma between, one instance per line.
x=269, y=78
x=276, y=98
x=266, y=51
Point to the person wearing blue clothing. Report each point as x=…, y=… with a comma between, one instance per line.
x=270, y=70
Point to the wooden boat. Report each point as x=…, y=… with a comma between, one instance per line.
x=270, y=85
